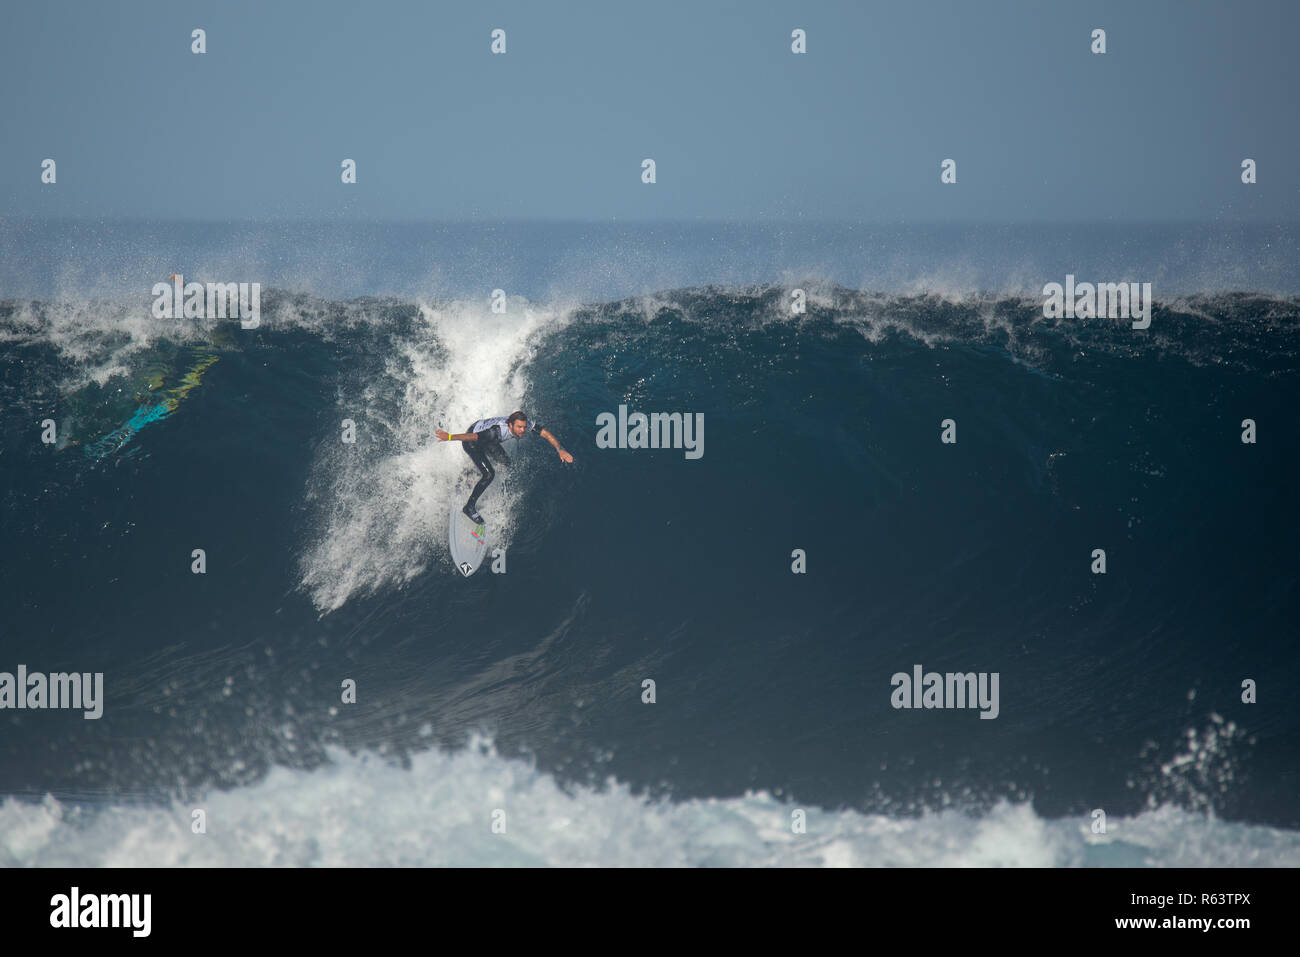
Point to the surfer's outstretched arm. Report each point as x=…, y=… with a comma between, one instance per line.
x=443, y=436
x=546, y=434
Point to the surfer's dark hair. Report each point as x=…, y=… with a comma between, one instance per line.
x=514, y=416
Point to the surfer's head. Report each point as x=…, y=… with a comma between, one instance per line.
x=517, y=423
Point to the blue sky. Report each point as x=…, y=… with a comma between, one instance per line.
x=740, y=128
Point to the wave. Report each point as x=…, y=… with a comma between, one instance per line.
x=823, y=434
x=441, y=810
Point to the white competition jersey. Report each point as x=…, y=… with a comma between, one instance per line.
x=497, y=429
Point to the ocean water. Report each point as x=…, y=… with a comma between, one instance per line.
x=517, y=697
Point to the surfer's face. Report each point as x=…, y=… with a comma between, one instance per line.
x=517, y=428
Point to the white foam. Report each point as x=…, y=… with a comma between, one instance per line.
x=365, y=811
x=101, y=339
x=382, y=504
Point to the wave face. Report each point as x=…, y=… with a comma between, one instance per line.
x=327, y=562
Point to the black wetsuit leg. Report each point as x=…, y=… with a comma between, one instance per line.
x=480, y=453
x=480, y=461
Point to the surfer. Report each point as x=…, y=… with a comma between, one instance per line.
x=483, y=440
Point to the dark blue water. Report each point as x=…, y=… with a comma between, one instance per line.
x=327, y=561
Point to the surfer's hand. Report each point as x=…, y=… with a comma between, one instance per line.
x=441, y=435
x=565, y=456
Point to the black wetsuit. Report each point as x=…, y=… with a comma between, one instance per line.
x=490, y=433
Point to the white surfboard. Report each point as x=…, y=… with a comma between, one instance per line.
x=468, y=541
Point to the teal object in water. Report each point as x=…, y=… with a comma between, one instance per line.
x=108, y=444
x=148, y=414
